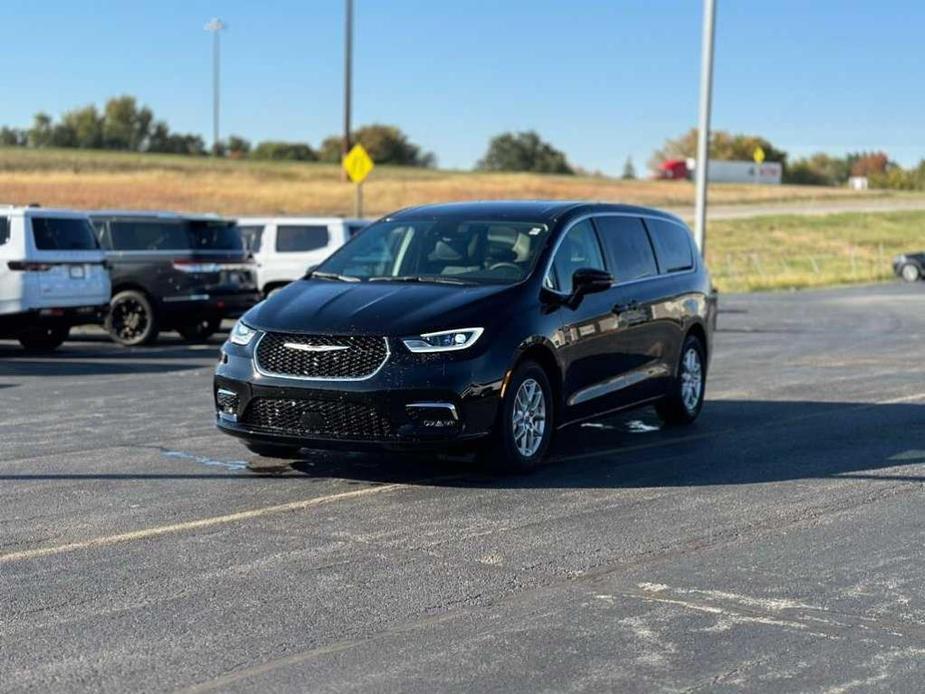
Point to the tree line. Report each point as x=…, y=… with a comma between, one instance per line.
x=821, y=168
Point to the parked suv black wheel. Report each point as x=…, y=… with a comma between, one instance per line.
x=525, y=423
x=131, y=320
x=44, y=339
x=685, y=397
x=201, y=330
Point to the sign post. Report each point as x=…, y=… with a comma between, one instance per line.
x=758, y=156
x=358, y=164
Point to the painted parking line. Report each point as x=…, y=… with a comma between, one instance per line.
x=209, y=522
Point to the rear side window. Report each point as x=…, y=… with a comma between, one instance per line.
x=139, y=235
x=628, y=244
x=4, y=230
x=63, y=234
x=252, y=237
x=292, y=238
x=579, y=249
x=672, y=245
x=215, y=236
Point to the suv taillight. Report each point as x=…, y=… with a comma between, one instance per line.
x=23, y=266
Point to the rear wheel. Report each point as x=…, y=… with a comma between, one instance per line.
x=685, y=397
x=201, y=330
x=911, y=273
x=44, y=339
x=131, y=320
x=525, y=423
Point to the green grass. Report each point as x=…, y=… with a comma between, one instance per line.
x=794, y=252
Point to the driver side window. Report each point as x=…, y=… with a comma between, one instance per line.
x=579, y=249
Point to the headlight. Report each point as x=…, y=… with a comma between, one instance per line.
x=444, y=341
x=242, y=334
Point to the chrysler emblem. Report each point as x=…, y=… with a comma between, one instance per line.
x=314, y=348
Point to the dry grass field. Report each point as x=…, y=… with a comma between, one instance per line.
x=770, y=252
x=87, y=179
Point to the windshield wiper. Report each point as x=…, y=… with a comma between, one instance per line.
x=331, y=276
x=420, y=278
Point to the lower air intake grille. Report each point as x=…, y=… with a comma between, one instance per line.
x=323, y=418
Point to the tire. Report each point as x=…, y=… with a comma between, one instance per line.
x=516, y=446
x=131, y=320
x=44, y=339
x=272, y=450
x=684, y=399
x=201, y=330
x=910, y=272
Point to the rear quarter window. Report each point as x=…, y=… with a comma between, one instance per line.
x=673, y=245
x=140, y=235
x=63, y=234
x=292, y=238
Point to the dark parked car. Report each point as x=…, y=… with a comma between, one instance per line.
x=173, y=272
x=494, y=323
x=910, y=267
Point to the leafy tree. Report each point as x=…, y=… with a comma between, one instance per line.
x=12, y=137
x=41, y=132
x=820, y=169
x=629, y=171
x=386, y=144
x=284, y=151
x=125, y=126
x=524, y=151
x=85, y=126
x=870, y=163
x=238, y=147
x=723, y=145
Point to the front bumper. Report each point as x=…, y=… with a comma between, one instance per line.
x=413, y=401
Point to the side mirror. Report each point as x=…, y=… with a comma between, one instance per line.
x=589, y=280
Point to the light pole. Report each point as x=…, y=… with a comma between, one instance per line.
x=348, y=71
x=215, y=26
x=703, y=128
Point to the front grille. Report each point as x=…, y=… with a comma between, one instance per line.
x=334, y=419
x=343, y=357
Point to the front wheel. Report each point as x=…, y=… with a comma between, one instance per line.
x=911, y=273
x=131, y=320
x=684, y=399
x=525, y=424
x=44, y=339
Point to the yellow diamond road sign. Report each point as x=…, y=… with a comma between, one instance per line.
x=358, y=164
x=759, y=155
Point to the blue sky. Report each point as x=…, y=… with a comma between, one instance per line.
x=600, y=79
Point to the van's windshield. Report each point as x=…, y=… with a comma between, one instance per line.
x=453, y=251
x=63, y=234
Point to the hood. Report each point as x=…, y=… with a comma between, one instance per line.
x=377, y=308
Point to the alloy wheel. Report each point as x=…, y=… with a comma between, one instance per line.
x=691, y=379
x=529, y=417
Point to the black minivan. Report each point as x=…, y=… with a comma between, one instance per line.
x=491, y=322
x=173, y=272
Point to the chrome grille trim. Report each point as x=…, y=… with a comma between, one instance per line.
x=297, y=377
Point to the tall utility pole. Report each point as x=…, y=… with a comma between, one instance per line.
x=703, y=128
x=348, y=70
x=215, y=26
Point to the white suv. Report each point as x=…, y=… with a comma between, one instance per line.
x=286, y=247
x=53, y=275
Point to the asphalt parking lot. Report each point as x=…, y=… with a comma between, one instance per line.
x=776, y=545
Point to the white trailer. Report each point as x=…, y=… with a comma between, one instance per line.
x=768, y=173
